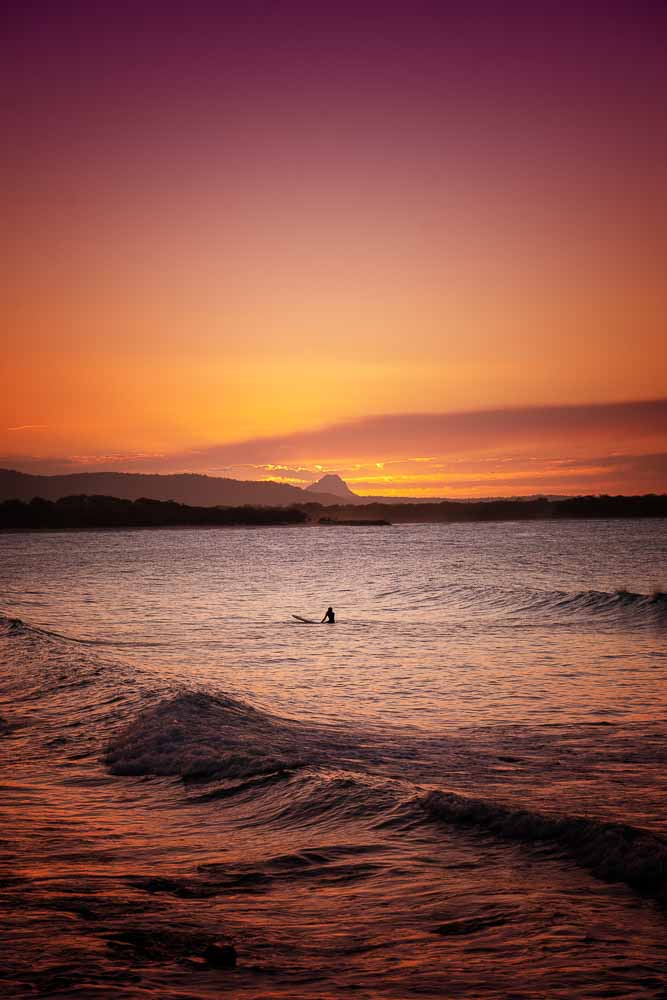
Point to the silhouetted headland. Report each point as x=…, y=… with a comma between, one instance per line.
x=187, y=488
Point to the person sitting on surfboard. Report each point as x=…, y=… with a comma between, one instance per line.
x=329, y=617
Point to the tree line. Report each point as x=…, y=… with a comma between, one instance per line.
x=112, y=512
x=649, y=505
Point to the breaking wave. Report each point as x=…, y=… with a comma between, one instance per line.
x=615, y=852
x=199, y=737
x=225, y=751
x=622, y=605
x=520, y=606
x=289, y=775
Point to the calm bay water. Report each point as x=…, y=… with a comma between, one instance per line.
x=422, y=799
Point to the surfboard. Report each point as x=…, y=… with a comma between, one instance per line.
x=306, y=621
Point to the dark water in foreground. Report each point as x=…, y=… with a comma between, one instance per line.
x=457, y=791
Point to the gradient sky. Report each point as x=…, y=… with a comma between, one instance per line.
x=422, y=245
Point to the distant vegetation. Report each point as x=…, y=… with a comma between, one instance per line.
x=651, y=505
x=110, y=512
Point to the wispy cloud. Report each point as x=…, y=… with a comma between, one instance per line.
x=28, y=427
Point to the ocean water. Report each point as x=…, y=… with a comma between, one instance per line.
x=458, y=790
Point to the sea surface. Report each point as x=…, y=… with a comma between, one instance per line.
x=457, y=790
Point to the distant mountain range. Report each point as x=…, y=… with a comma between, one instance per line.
x=189, y=488
x=193, y=489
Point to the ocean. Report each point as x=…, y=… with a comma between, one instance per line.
x=457, y=790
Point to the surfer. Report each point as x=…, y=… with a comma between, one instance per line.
x=329, y=617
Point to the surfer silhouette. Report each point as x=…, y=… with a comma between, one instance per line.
x=329, y=617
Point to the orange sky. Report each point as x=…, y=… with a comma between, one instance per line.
x=209, y=257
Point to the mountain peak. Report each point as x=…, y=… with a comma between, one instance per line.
x=333, y=484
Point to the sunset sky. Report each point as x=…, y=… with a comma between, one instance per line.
x=421, y=245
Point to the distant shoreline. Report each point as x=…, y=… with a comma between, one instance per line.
x=77, y=513
x=94, y=513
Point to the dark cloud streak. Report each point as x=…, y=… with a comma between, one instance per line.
x=392, y=436
x=615, y=445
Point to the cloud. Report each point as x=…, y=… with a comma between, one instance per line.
x=596, y=447
x=516, y=476
x=28, y=427
x=399, y=436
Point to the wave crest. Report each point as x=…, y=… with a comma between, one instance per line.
x=615, y=852
x=651, y=607
x=196, y=736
